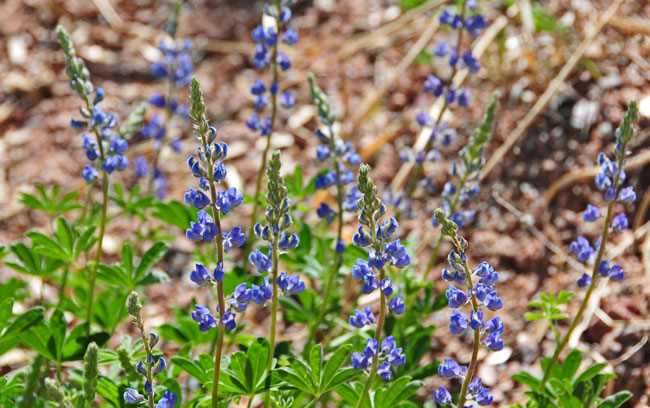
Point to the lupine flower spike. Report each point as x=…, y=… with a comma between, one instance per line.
x=211, y=171
x=150, y=366
x=467, y=19
x=104, y=147
x=610, y=180
x=337, y=152
x=176, y=68
x=376, y=233
x=277, y=222
x=268, y=39
x=476, y=293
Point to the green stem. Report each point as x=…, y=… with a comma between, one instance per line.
x=339, y=257
x=260, y=173
x=102, y=230
x=475, y=346
x=274, y=313
x=221, y=301
x=380, y=322
x=418, y=167
x=434, y=255
x=250, y=401
x=595, y=276
x=147, y=349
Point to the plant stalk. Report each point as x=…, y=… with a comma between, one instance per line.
x=274, y=315
x=260, y=173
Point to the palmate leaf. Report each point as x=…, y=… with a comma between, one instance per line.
x=22, y=323
x=32, y=263
x=193, y=368
x=127, y=274
x=50, y=203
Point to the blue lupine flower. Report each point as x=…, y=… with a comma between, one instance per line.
x=450, y=369
x=291, y=284
x=132, y=396
x=200, y=276
x=202, y=316
x=483, y=398
x=386, y=287
x=196, y=198
x=442, y=396
x=234, y=238
x=359, y=361
x=205, y=229
x=458, y=322
x=324, y=211
x=287, y=100
x=168, y=400
x=582, y=248
x=254, y=122
x=261, y=261
x=620, y=223
x=585, y=280
x=141, y=166
x=627, y=195
x=476, y=322
x=433, y=85
x=616, y=273
x=258, y=34
x=455, y=297
x=89, y=173
x=361, y=318
x=397, y=305
x=258, y=87
x=290, y=36
x=384, y=371
x=591, y=213
x=442, y=48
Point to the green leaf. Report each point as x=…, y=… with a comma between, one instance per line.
x=571, y=364
x=192, y=368
x=150, y=258
x=615, y=400
x=531, y=316
x=304, y=372
x=315, y=363
x=23, y=322
x=339, y=378
x=6, y=307
x=39, y=338
x=258, y=355
x=58, y=327
x=398, y=391
x=290, y=377
x=590, y=372
x=527, y=379
x=65, y=234
x=155, y=276
x=333, y=365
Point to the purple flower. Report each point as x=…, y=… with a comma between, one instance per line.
x=203, y=317
x=397, y=305
x=458, y=322
x=591, y=213
x=442, y=396
x=620, y=223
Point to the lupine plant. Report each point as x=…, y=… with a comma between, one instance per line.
x=589, y=384
x=176, y=69
x=268, y=37
x=375, y=234
x=211, y=171
x=336, y=152
x=463, y=17
x=476, y=291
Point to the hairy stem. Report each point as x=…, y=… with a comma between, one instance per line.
x=102, y=230
x=338, y=256
x=380, y=321
x=594, y=274
x=415, y=174
x=274, y=315
x=477, y=334
x=260, y=173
